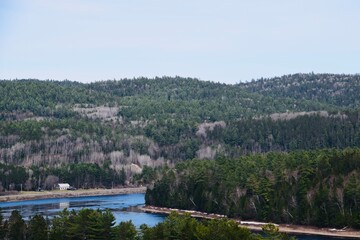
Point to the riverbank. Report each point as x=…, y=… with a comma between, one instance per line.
x=25, y=195
x=257, y=226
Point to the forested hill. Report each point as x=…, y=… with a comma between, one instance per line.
x=337, y=89
x=142, y=98
x=127, y=124
x=319, y=188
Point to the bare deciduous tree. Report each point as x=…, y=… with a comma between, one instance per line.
x=28, y=185
x=50, y=181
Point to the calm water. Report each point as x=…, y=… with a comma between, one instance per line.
x=124, y=208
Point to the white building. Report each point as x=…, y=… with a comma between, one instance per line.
x=63, y=186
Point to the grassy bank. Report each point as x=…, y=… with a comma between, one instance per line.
x=31, y=195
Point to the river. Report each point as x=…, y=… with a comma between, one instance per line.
x=124, y=207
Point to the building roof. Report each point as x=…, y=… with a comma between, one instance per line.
x=64, y=185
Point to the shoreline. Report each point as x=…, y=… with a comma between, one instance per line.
x=257, y=226
x=23, y=196
x=252, y=225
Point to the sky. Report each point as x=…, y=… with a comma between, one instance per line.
x=226, y=41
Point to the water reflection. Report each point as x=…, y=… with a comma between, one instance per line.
x=124, y=207
x=64, y=205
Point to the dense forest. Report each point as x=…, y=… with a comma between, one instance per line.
x=283, y=149
x=80, y=175
x=96, y=224
x=319, y=187
x=127, y=124
x=337, y=89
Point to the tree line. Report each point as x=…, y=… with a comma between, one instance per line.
x=57, y=141
x=302, y=132
x=81, y=175
x=141, y=97
x=318, y=188
x=170, y=119
x=96, y=224
x=335, y=89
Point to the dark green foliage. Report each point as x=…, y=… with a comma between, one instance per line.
x=86, y=224
x=40, y=124
x=35, y=130
x=12, y=177
x=37, y=228
x=3, y=226
x=186, y=228
x=337, y=89
x=174, y=227
x=147, y=176
x=125, y=231
x=302, y=132
x=54, y=126
x=87, y=175
x=43, y=98
x=16, y=226
x=96, y=224
x=191, y=99
x=60, y=226
x=272, y=232
x=313, y=188
x=187, y=98
x=82, y=175
x=160, y=117
x=223, y=229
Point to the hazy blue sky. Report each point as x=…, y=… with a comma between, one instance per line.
x=223, y=41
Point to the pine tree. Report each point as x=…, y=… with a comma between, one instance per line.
x=17, y=226
x=37, y=228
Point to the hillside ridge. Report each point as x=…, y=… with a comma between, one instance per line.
x=127, y=125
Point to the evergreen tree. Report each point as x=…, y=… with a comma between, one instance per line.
x=16, y=226
x=125, y=231
x=37, y=228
